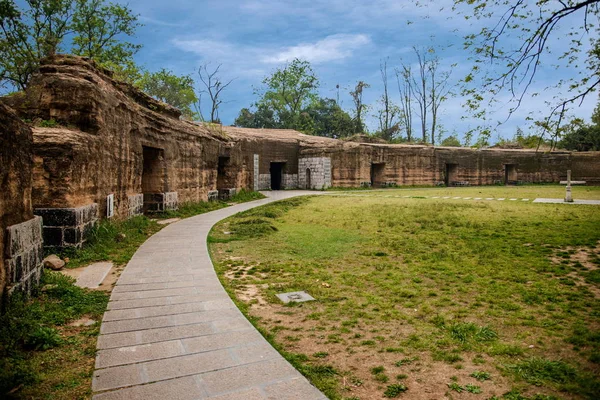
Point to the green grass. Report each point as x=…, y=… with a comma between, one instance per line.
x=394, y=390
x=42, y=357
x=443, y=280
x=112, y=240
x=118, y=240
x=525, y=191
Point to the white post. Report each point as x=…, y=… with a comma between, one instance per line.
x=569, y=196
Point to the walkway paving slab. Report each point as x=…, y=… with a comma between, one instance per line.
x=172, y=332
x=93, y=275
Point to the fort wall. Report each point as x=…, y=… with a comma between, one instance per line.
x=103, y=149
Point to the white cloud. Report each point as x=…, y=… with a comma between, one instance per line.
x=253, y=61
x=334, y=47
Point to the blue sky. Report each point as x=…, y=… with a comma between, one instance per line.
x=345, y=40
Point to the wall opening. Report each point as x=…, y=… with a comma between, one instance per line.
x=223, y=181
x=308, y=181
x=277, y=169
x=451, y=175
x=377, y=174
x=510, y=174
x=154, y=174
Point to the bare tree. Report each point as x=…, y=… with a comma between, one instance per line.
x=420, y=88
x=438, y=93
x=213, y=87
x=359, y=106
x=406, y=91
x=388, y=111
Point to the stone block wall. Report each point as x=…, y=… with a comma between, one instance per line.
x=24, y=253
x=226, y=194
x=213, y=195
x=159, y=202
x=264, y=182
x=289, y=181
x=67, y=227
x=320, y=172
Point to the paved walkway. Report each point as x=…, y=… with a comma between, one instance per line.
x=562, y=201
x=172, y=332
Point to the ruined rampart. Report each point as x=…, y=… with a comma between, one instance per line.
x=20, y=231
x=104, y=149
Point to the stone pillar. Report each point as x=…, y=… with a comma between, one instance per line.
x=569, y=196
x=256, y=173
x=67, y=227
x=135, y=205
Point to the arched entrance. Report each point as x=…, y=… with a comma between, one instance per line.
x=308, y=183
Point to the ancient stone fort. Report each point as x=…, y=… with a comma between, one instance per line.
x=116, y=152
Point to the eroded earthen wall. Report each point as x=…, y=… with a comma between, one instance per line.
x=98, y=145
x=20, y=232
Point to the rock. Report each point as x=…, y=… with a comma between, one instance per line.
x=66, y=260
x=120, y=237
x=46, y=288
x=167, y=221
x=83, y=322
x=53, y=262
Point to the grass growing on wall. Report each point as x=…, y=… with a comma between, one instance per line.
x=41, y=355
x=499, y=298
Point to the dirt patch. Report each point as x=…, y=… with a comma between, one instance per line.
x=582, y=260
x=355, y=357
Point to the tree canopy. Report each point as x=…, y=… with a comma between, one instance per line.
x=580, y=136
x=519, y=37
x=289, y=100
x=172, y=89
x=41, y=28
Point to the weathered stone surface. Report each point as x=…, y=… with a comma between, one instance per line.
x=18, y=246
x=53, y=262
x=102, y=151
x=67, y=227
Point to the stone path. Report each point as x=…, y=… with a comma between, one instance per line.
x=562, y=201
x=172, y=332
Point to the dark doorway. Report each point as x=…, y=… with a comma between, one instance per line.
x=510, y=174
x=308, y=183
x=451, y=174
x=277, y=169
x=222, y=178
x=377, y=174
x=154, y=172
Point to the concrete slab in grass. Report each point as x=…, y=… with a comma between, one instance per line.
x=93, y=275
x=296, y=297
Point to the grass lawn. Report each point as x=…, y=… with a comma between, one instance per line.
x=425, y=298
